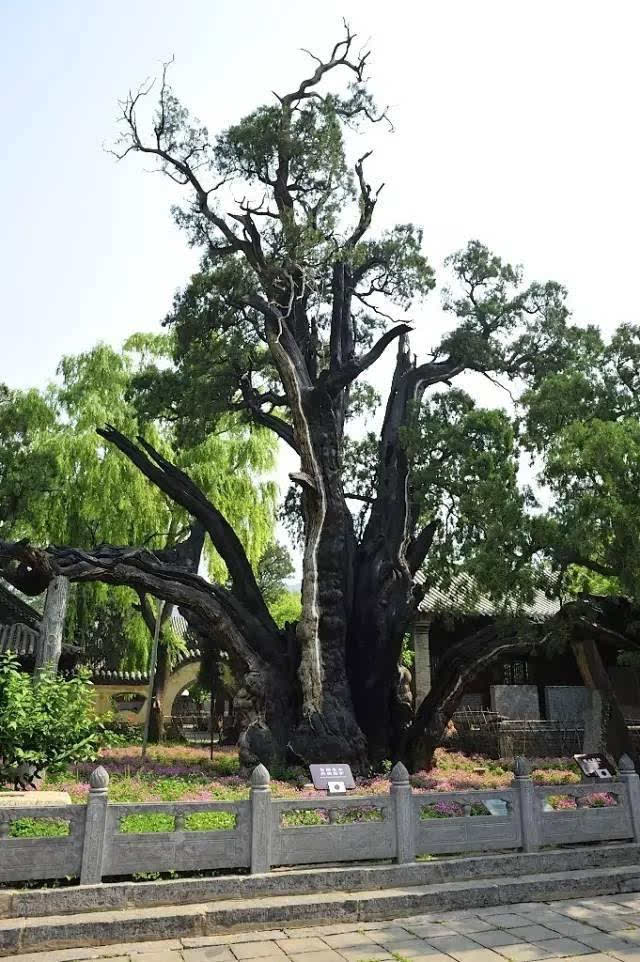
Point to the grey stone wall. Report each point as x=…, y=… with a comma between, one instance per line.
x=515, y=701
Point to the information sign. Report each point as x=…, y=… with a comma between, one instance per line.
x=594, y=766
x=323, y=774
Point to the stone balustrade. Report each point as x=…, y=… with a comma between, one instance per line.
x=263, y=832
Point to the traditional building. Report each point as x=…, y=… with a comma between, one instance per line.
x=549, y=684
x=123, y=691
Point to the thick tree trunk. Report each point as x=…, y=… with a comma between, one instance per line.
x=380, y=615
x=267, y=713
x=385, y=595
x=616, y=736
x=327, y=728
x=52, y=626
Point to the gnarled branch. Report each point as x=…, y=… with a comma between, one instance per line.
x=179, y=486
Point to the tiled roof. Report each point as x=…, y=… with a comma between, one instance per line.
x=103, y=676
x=14, y=609
x=19, y=624
x=462, y=598
x=21, y=639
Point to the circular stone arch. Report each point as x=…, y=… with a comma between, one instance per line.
x=178, y=680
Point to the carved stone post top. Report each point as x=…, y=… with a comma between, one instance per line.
x=399, y=774
x=521, y=768
x=99, y=779
x=626, y=766
x=260, y=777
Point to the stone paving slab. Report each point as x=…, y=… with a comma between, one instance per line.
x=524, y=952
x=581, y=930
x=211, y=953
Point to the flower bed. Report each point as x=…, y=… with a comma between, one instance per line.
x=571, y=802
x=182, y=773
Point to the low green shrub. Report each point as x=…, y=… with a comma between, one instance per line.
x=144, y=823
x=210, y=821
x=296, y=817
x=38, y=828
x=46, y=722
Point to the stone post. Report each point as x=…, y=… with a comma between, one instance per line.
x=403, y=814
x=260, y=820
x=529, y=808
x=630, y=777
x=94, y=828
x=592, y=738
x=422, y=658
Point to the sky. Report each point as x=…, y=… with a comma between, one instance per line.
x=515, y=123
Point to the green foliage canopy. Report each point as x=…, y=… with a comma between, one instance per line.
x=61, y=484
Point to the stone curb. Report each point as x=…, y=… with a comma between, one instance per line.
x=129, y=895
x=144, y=924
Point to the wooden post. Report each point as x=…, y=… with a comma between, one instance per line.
x=94, y=828
x=260, y=820
x=594, y=675
x=52, y=626
x=403, y=815
x=152, y=675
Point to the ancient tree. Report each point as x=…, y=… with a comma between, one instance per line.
x=298, y=296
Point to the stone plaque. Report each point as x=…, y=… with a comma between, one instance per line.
x=515, y=701
x=323, y=774
x=566, y=703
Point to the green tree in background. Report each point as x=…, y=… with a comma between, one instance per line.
x=61, y=484
x=274, y=568
x=583, y=426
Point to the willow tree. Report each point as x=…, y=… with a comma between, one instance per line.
x=298, y=296
x=59, y=483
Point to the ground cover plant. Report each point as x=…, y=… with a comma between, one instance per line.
x=176, y=773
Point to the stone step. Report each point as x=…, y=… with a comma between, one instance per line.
x=345, y=878
x=43, y=934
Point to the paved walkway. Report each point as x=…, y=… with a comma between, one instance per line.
x=595, y=930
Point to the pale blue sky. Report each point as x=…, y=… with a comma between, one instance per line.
x=516, y=123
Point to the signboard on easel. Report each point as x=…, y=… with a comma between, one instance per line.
x=594, y=766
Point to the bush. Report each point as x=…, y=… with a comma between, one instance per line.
x=123, y=732
x=45, y=723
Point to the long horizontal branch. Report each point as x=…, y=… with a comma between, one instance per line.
x=145, y=572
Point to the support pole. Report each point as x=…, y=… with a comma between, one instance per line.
x=152, y=676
